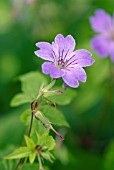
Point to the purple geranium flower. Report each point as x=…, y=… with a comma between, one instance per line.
x=103, y=43
x=63, y=62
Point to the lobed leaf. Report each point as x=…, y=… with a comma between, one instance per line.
x=26, y=116
x=30, y=85
x=54, y=115
x=32, y=157
x=46, y=141
x=21, y=152
x=48, y=156
x=19, y=99
x=29, y=142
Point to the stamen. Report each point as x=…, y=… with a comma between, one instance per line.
x=61, y=62
x=60, y=58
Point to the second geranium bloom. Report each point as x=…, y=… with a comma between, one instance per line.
x=63, y=62
x=103, y=42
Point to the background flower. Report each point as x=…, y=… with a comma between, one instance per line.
x=63, y=61
x=103, y=43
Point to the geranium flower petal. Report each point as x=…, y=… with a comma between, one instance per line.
x=80, y=57
x=70, y=81
x=49, y=68
x=73, y=74
x=101, y=22
x=101, y=45
x=44, y=45
x=69, y=43
x=112, y=52
x=65, y=44
x=45, y=51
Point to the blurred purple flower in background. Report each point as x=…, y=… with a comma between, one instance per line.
x=103, y=43
x=63, y=62
x=30, y=1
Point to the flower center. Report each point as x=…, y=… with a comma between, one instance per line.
x=112, y=35
x=60, y=63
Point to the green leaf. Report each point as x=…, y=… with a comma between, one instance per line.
x=26, y=116
x=21, y=152
x=46, y=141
x=64, y=98
x=32, y=157
x=48, y=156
x=36, y=125
x=31, y=83
x=19, y=99
x=54, y=115
x=29, y=142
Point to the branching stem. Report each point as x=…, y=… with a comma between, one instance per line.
x=34, y=105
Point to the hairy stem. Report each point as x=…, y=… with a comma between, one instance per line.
x=30, y=128
x=24, y=163
x=58, y=134
x=19, y=162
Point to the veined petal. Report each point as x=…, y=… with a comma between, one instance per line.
x=73, y=74
x=70, y=81
x=101, y=22
x=45, y=51
x=69, y=43
x=101, y=45
x=65, y=44
x=49, y=68
x=59, y=40
x=55, y=50
x=79, y=73
x=80, y=57
x=46, y=67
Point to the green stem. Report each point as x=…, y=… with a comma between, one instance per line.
x=48, y=87
x=24, y=164
x=30, y=128
x=19, y=162
x=40, y=162
x=45, y=89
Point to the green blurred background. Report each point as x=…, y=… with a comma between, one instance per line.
x=89, y=142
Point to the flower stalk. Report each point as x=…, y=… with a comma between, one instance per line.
x=39, y=159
